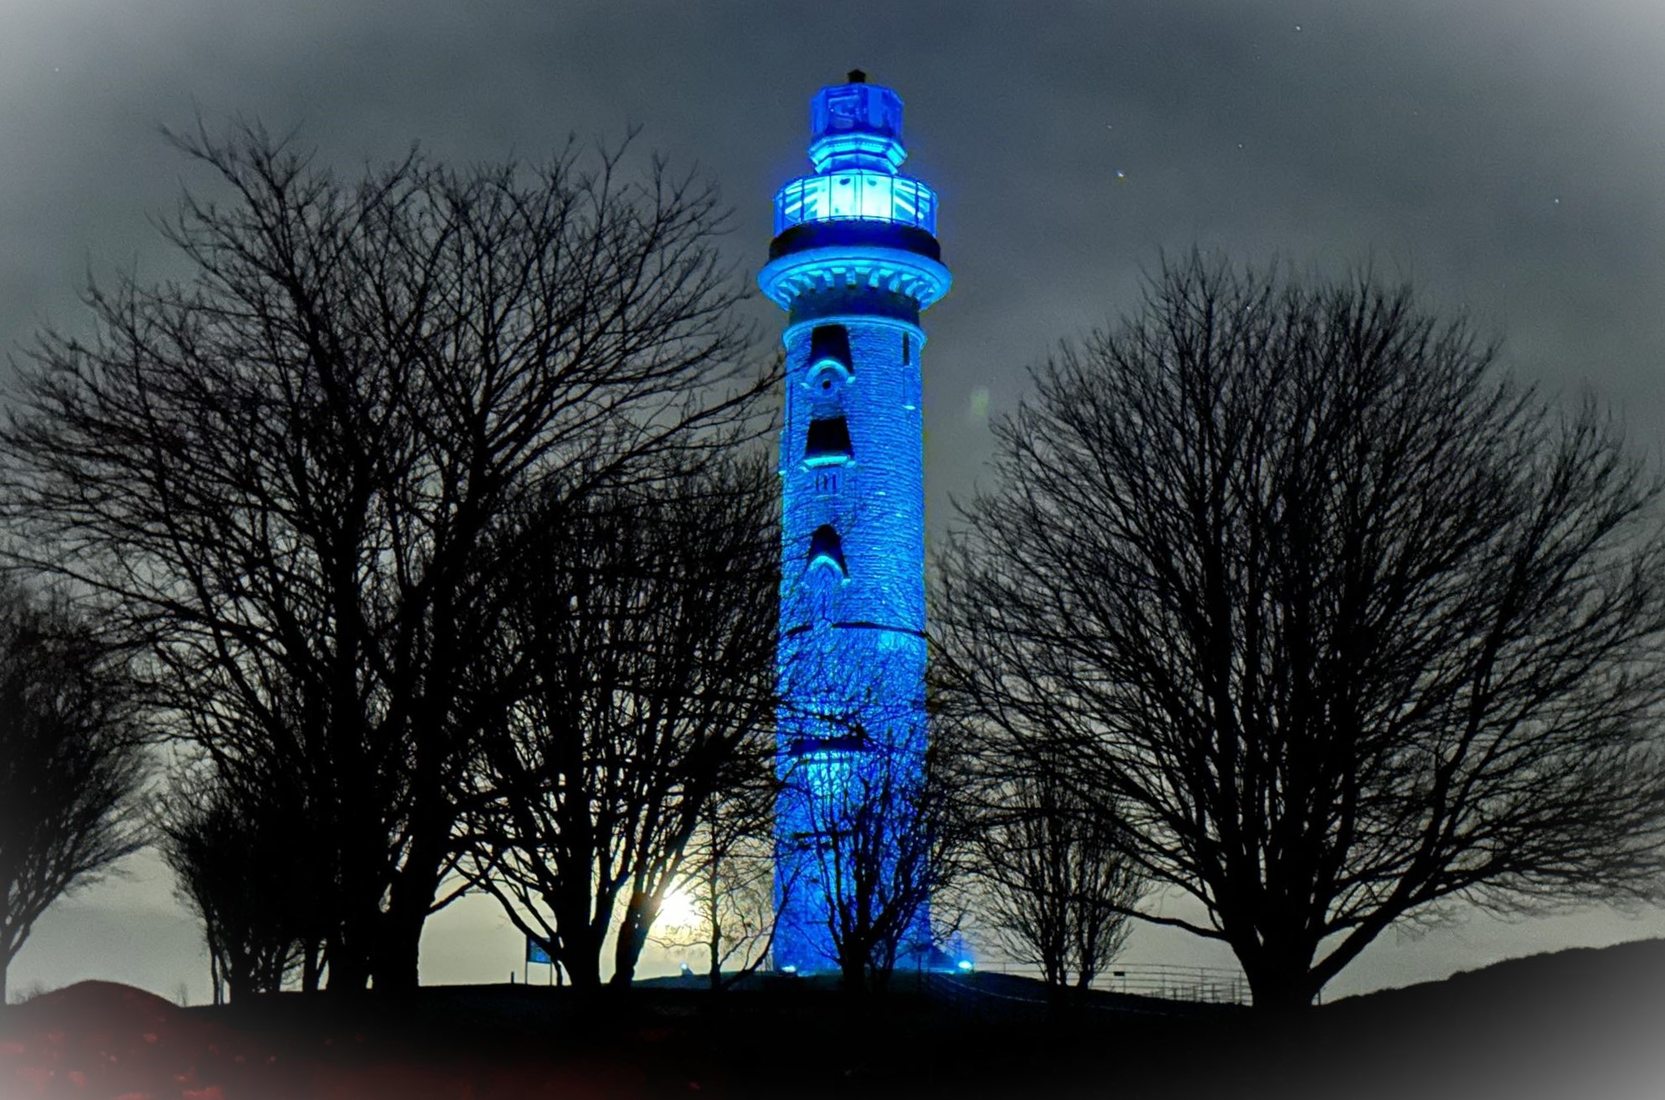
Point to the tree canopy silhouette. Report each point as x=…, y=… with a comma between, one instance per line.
x=71, y=760
x=1343, y=621
x=639, y=635
x=280, y=473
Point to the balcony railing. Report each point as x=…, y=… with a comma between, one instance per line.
x=856, y=194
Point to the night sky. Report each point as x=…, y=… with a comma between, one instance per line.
x=1506, y=156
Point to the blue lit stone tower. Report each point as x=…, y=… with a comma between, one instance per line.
x=854, y=261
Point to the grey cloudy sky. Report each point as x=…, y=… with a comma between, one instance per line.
x=1508, y=156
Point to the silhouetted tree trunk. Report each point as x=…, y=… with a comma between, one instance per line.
x=714, y=943
x=311, y=967
x=1345, y=623
x=284, y=469
x=640, y=911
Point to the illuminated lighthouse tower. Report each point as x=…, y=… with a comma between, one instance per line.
x=854, y=260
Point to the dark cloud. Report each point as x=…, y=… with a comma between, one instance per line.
x=1506, y=155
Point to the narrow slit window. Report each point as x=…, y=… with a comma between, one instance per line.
x=907, y=350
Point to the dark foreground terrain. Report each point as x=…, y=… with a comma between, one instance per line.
x=1576, y=1024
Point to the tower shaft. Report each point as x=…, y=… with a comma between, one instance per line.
x=854, y=261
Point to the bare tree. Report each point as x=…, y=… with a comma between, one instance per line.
x=641, y=622
x=729, y=879
x=70, y=761
x=281, y=473
x=1057, y=882
x=244, y=866
x=1348, y=624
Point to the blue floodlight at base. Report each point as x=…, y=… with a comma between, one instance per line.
x=965, y=965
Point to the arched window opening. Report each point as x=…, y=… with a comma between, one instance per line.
x=825, y=548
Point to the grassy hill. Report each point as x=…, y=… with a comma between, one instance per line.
x=1583, y=1024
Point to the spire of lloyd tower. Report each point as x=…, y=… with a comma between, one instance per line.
x=854, y=261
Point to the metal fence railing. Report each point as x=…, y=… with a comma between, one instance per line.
x=1168, y=981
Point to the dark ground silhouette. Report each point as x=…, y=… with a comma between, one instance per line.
x=1582, y=1023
